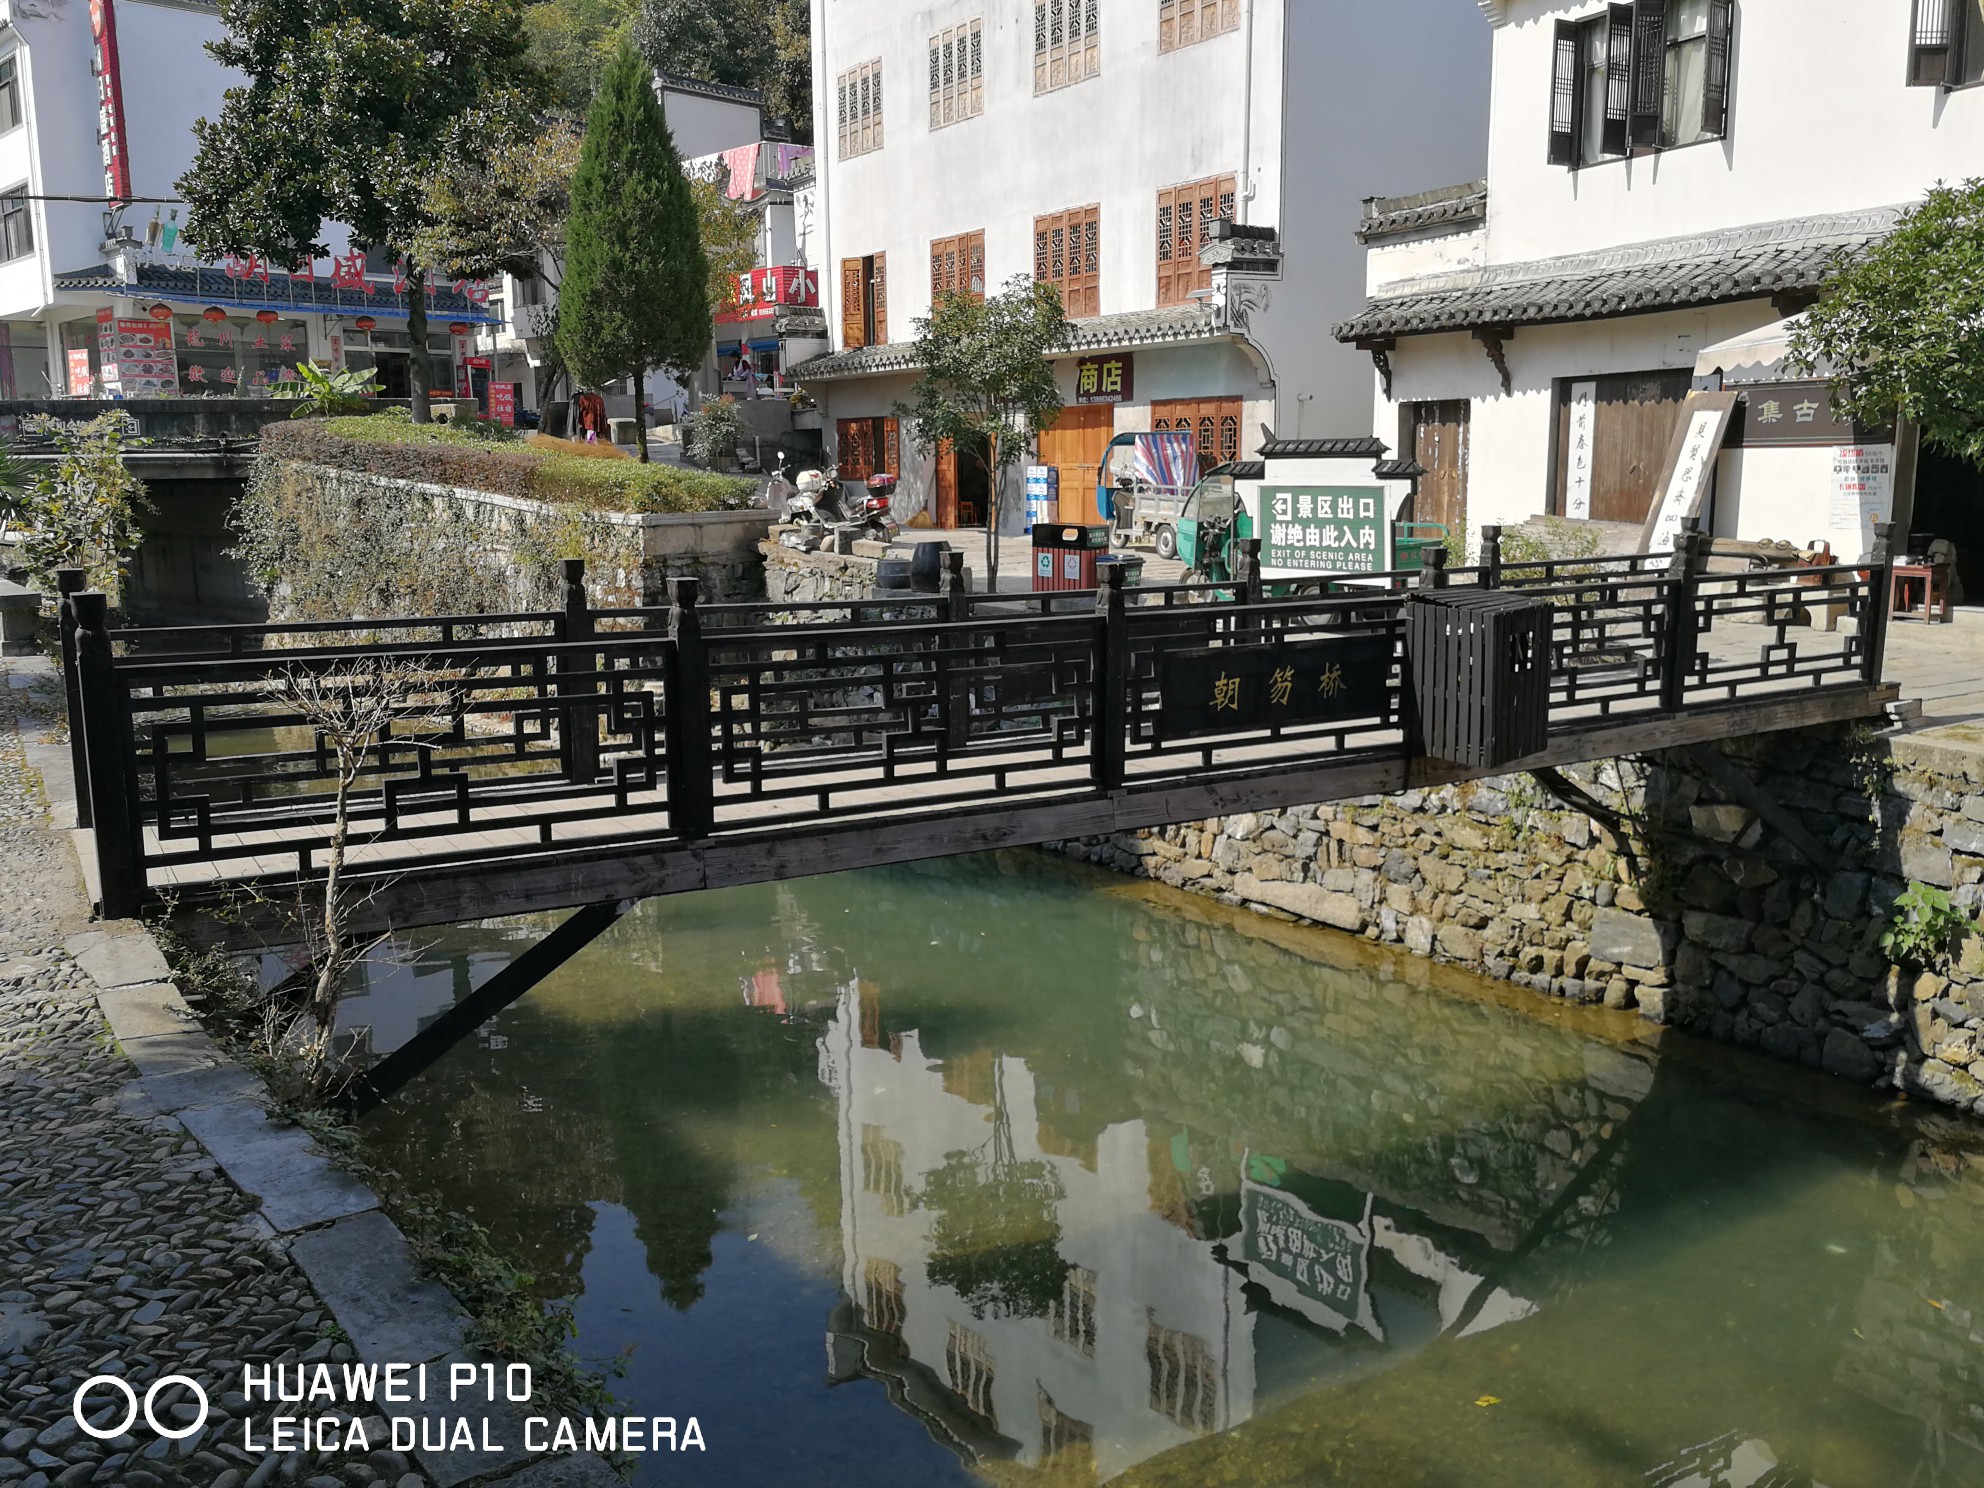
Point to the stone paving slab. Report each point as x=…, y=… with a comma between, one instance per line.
x=504, y=1423
x=361, y=1266
x=297, y=1185
x=121, y=959
x=182, y=1051
x=145, y=1010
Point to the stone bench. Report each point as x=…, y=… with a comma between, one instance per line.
x=20, y=617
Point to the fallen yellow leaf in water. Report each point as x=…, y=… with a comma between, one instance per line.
x=1933, y=1303
x=1489, y=1400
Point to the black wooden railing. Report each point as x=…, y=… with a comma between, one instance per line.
x=203, y=753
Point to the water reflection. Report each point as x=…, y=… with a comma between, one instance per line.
x=1088, y=1186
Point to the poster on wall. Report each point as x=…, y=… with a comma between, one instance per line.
x=1862, y=489
x=136, y=358
x=1579, y=448
x=1690, y=468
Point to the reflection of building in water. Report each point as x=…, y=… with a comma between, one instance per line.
x=1098, y=1299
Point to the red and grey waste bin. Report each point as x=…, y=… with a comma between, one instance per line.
x=1064, y=556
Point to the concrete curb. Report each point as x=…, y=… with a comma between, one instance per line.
x=354, y=1255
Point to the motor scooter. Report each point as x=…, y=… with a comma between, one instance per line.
x=810, y=505
x=875, y=518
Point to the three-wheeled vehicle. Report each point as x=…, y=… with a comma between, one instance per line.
x=1141, y=487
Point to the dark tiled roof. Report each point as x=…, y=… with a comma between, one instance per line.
x=1100, y=333
x=1324, y=449
x=1465, y=205
x=1247, y=470
x=675, y=82
x=1399, y=470
x=1707, y=269
x=197, y=284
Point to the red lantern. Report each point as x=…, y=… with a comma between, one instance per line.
x=457, y=328
x=267, y=317
x=365, y=322
x=213, y=313
x=160, y=311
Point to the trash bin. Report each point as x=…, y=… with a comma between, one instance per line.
x=1064, y=556
x=623, y=430
x=1479, y=660
x=1410, y=540
x=1132, y=565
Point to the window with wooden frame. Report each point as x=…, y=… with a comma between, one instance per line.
x=957, y=266
x=858, y=109
x=1182, y=22
x=957, y=73
x=1067, y=253
x=867, y=446
x=10, y=94
x=968, y=1363
x=1067, y=43
x=1650, y=75
x=17, y=224
x=1183, y=1384
x=864, y=301
x=1946, y=44
x=1185, y=215
x=1214, y=424
x=883, y=1307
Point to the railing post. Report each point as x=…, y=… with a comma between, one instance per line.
x=109, y=761
x=1682, y=633
x=1880, y=593
x=957, y=598
x=1249, y=572
x=1491, y=556
x=1433, y=569
x=69, y=582
x=1109, y=742
x=691, y=785
x=578, y=723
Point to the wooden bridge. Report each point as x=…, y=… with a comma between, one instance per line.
x=587, y=757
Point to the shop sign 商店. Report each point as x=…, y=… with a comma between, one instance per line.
x=1105, y=379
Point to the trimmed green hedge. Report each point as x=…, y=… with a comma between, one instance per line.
x=477, y=457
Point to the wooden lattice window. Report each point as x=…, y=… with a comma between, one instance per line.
x=968, y=1362
x=1185, y=215
x=1067, y=43
x=1182, y=22
x=1214, y=424
x=1183, y=1383
x=957, y=266
x=957, y=73
x=858, y=109
x=882, y=1303
x=1067, y=253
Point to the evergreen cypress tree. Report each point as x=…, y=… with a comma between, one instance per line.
x=636, y=287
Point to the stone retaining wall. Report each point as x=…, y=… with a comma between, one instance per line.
x=1673, y=897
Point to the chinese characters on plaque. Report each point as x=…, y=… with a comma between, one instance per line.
x=1325, y=529
x=1105, y=379
x=1690, y=468
x=1230, y=689
x=1580, y=448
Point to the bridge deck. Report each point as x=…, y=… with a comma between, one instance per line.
x=499, y=764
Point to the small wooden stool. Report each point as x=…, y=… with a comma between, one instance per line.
x=1935, y=581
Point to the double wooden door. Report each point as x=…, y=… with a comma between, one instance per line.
x=1075, y=446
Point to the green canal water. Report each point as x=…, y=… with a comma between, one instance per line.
x=1003, y=1171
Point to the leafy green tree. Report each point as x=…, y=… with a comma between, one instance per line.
x=572, y=41
x=729, y=236
x=987, y=387
x=343, y=115
x=81, y=511
x=1902, y=327
x=713, y=41
x=636, y=290
x=503, y=212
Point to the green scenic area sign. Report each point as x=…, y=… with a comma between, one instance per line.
x=1323, y=1259
x=1325, y=529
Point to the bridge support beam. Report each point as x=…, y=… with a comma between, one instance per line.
x=392, y=1074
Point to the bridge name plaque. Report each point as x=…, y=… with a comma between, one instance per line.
x=1222, y=689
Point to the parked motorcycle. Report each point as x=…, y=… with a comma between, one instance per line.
x=810, y=505
x=875, y=518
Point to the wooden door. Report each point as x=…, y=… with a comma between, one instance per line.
x=1435, y=435
x=1214, y=424
x=1074, y=446
x=855, y=449
x=944, y=508
x=1633, y=429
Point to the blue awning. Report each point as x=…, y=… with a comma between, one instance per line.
x=198, y=284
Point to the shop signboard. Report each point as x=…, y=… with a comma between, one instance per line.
x=136, y=358
x=758, y=294
x=1106, y=379
x=79, y=371
x=1795, y=413
x=110, y=103
x=503, y=403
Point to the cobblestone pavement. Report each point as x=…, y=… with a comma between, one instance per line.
x=123, y=1249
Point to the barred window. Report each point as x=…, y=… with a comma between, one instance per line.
x=957, y=74
x=1067, y=46
x=968, y=1363
x=1182, y=22
x=16, y=224
x=858, y=104
x=1183, y=1384
x=1067, y=253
